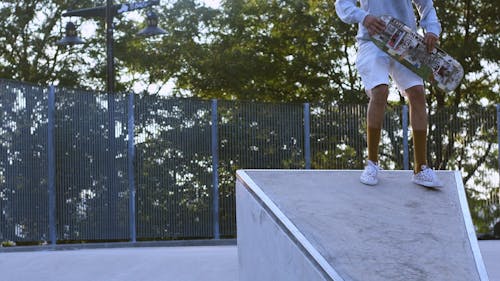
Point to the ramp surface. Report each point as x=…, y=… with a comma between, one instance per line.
x=339, y=229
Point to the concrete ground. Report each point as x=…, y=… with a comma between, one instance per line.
x=187, y=263
x=490, y=250
x=210, y=263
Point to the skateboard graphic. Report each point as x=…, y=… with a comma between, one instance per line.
x=408, y=48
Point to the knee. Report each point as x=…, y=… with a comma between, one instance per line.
x=379, y=94
x=416, y=96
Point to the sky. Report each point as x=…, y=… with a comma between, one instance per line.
x=212, y=3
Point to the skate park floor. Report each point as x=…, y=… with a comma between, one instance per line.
x=178, y=263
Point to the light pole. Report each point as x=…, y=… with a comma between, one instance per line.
x=110, y=68
x=109, y=12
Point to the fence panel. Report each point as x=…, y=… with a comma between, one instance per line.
x=338, y=137
x=173, y=168
x=255, y=136
x=91, y=166
x=23, y=167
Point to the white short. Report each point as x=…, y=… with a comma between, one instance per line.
x=374, y=66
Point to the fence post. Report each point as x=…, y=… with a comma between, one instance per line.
x=215, y=168
x=498, y=136
x=51, y=165
x=307, y=135
x=131, y=170
x=405, y=139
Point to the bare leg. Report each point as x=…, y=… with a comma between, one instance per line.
x=418, y=121
x=375, y=119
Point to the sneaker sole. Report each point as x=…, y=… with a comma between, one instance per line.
x=428, y=184
x=368, y=183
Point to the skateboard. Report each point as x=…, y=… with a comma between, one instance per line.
x=408, y=48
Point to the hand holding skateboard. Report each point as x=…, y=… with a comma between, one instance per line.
x=418, y=53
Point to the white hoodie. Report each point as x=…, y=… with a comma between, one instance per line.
x=402, y=10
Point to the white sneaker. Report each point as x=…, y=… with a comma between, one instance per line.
x=369, y=175
x=427, y=178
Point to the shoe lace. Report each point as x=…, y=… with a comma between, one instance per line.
x=372, y=169
x=427, y=173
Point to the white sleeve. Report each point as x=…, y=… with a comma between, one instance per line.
x=428, y=16
x=349, y=12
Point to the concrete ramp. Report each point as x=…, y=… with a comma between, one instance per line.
x=308, y=225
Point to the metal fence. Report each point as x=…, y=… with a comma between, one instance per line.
x=85, y=166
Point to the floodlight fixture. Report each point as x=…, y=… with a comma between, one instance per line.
x=152, y=28
x=71, y=38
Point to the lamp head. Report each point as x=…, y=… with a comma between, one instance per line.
x=70, y=38
x=152, y=28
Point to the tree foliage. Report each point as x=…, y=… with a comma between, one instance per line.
x=261, y=50
x=471, y=34
x=27, y=44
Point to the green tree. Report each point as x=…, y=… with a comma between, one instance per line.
x=470, y=34
x=28, y=51
x=264, y=51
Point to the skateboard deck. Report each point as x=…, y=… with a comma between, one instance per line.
x=408, y=48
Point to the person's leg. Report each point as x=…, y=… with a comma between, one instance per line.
x=375, y=118
x=418, y=121
x=423, y=175
x=373, y=67
x=412, y=86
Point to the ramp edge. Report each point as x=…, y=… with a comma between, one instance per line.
x=471, y=232
x=300, y=240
